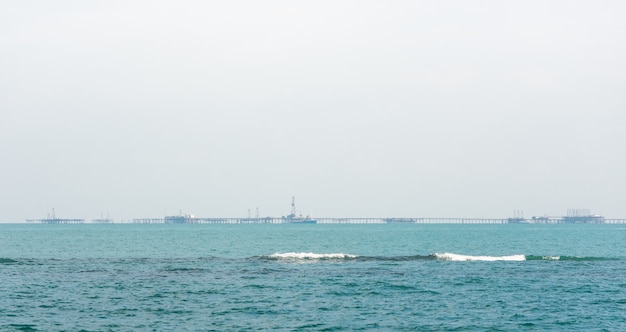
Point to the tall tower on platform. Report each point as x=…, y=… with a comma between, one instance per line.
x=293, y=206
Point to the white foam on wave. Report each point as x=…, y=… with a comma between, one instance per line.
x=310, y=256
x=468, y=258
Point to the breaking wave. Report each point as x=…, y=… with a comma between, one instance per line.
x=312, y=257
x=568, y=258
x=309, y=256
x=468, y=258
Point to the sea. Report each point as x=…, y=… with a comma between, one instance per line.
x=315, y=277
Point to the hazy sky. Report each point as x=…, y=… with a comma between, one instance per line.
x=357, y=108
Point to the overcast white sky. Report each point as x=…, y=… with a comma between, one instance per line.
x=357, y=108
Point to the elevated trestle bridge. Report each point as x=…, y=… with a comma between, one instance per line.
x=271, y=220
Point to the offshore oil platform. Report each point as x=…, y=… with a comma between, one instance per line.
x=52, y=218
x=292, y=218
x=573, y=216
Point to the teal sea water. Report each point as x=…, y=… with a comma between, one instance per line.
x=312, y=277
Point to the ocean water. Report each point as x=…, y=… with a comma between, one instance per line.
x=312, y=277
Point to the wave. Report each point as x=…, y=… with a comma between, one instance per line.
x=568, y=258
x=469, y=258
x=7, y=261
x=320, y=257
x=309, y=256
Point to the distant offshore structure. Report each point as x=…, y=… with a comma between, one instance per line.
x=573, y=216
x=293, y=218
x=103, y=220
x=52, y=219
